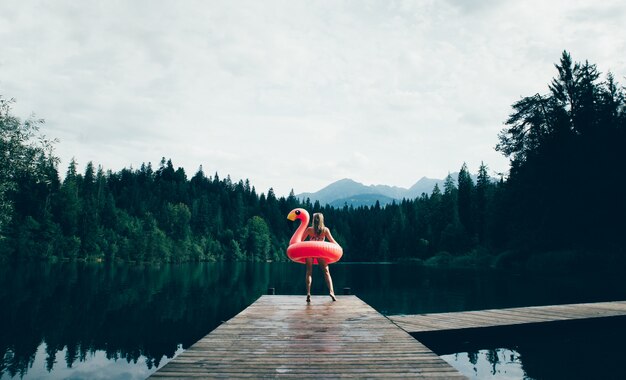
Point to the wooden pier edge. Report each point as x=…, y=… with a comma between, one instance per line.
x=283, y=336
x=421, y=323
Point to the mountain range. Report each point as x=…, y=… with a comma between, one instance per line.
x=352, y=193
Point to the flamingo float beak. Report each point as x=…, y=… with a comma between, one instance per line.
x=291, y=216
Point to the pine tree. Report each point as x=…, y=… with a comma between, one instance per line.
x=257, y=239
x=465, y=195
x=482, y=189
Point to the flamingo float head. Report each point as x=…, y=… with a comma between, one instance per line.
x=299, y=213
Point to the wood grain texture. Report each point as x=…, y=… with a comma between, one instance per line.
x=282, y=336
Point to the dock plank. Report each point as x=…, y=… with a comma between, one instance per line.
x=282, y=336
x=504, y=317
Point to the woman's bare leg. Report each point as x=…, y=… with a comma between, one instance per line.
x=308, y=278
x=329, y=280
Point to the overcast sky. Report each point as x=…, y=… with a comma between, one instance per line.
x=293, y=94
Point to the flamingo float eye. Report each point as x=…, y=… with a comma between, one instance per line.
x=297, y=212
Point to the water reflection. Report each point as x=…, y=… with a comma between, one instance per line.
x=63, y=319
x=96, y=365
x=585, y=349
x=497, y=363
x=127, y=314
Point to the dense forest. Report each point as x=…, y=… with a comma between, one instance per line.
x=563, y=200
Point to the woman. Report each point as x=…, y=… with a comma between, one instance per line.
x=318, y=232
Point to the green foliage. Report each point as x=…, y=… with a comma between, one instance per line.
x=576, y=130
x=23, y=153
x=465, y=201
x=257, y=239
x=161, y=216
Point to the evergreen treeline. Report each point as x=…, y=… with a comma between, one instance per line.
x=144, y=215
x=566, y=189
x=564, y=195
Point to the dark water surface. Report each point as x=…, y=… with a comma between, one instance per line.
x=77, y=320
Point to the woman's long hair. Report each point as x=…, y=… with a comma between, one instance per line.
x=318, y=223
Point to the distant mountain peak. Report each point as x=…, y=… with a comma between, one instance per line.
x=344, y=180
x=347, y=191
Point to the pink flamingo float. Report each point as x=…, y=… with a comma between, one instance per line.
x=299, y=250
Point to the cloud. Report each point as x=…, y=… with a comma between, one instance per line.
x=292, y=94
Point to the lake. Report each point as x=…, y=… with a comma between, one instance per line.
x=88, y=320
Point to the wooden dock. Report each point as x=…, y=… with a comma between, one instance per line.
x=422, y=323
x=282, y=336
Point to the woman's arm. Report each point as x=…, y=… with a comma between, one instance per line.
x=306, y=233
x=329, y=236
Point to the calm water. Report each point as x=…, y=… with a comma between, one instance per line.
x=106, y=321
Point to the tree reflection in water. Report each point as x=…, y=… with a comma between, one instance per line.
x=127, y=312
x=494, y=363
x=54, y=316
x=589, y=349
